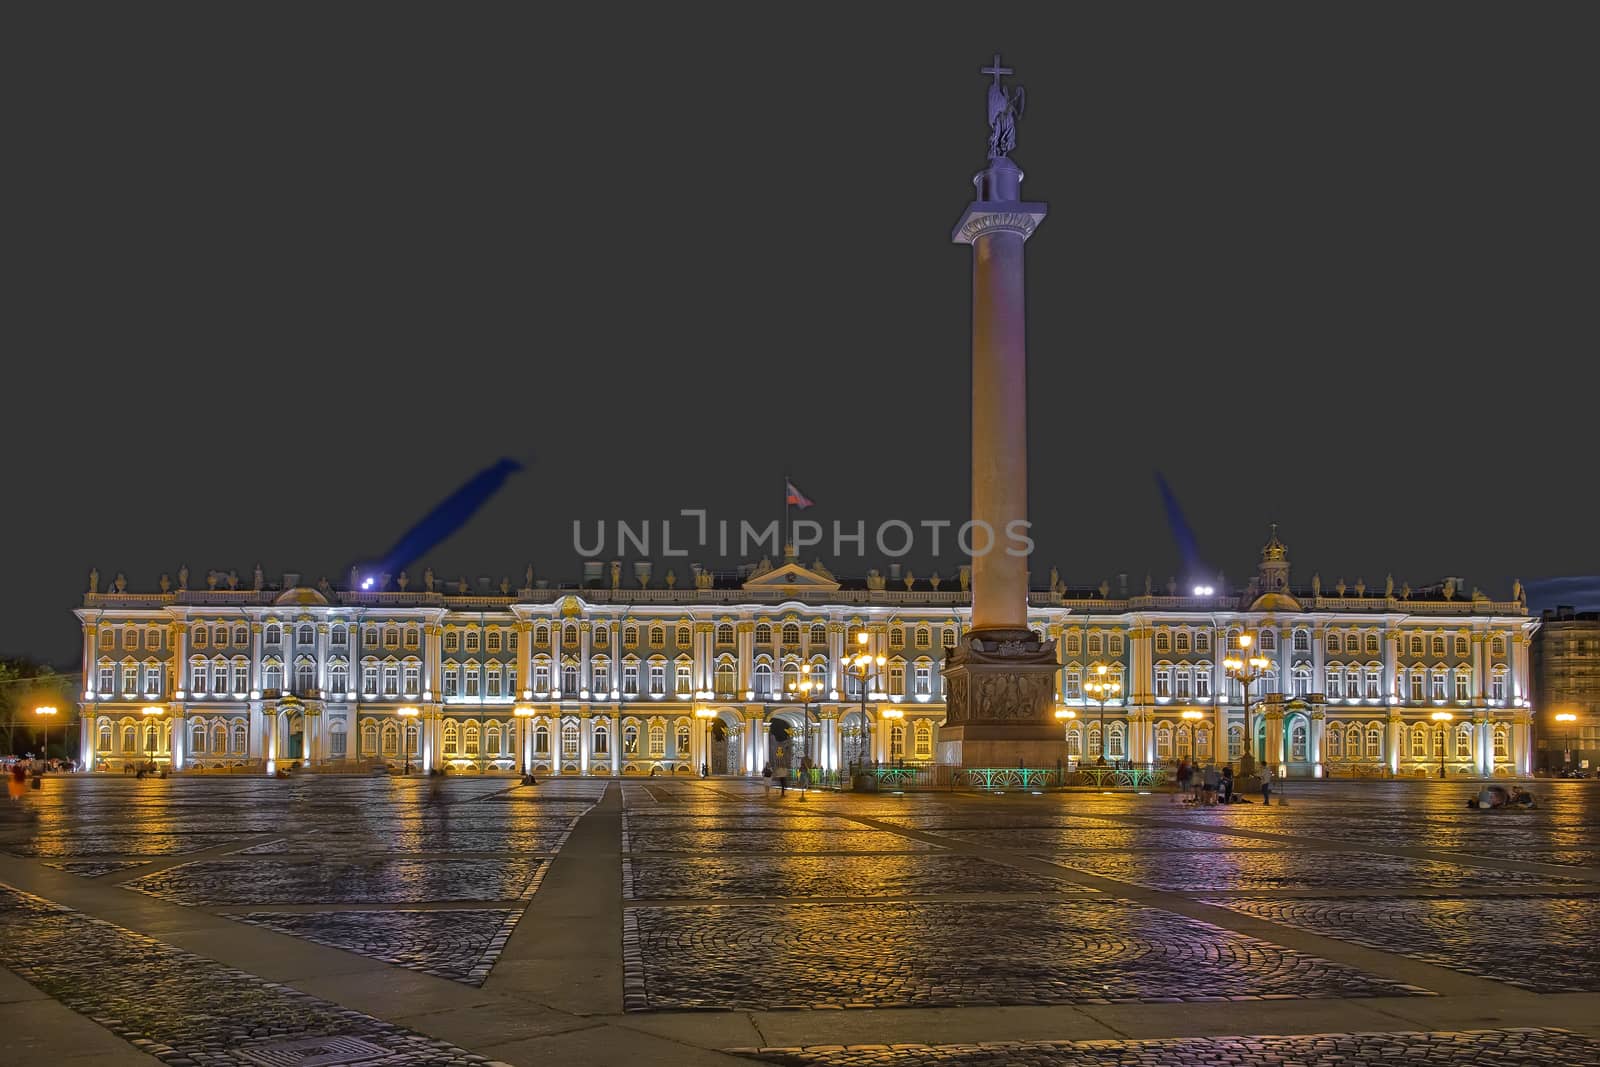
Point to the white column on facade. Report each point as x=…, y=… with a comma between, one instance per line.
x=836, y=653
x=584, y=727
x=180, y=737
x=1392, y=740
x=1318, y=728
x=269, y=735
x=90, y=675
x=1391, y=666
x=180, y=655
x=585, y=657
x=616, y=745
x=87, y=737
x=257, y=650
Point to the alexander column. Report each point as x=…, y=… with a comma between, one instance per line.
x=1001, y=678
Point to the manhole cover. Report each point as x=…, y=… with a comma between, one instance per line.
x=315, y=1052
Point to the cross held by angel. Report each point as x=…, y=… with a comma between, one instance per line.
x=1005, y=107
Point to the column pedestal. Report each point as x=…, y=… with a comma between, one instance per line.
x=999, y=703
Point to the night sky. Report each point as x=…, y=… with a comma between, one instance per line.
x=282, y=278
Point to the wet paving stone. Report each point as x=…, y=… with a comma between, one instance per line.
x=95, y=868
x=181, y=1008
x=127, y=843
x=1002, y=952
x=1257, y=871
x=1470, y=1048
x=709, y=877
x=429, y=840
x=1036, y=839
x=459, y=944
x=673, y=838
x=1546, y=944
x=380, y=881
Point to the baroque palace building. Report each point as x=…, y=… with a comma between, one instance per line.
x=608, y=679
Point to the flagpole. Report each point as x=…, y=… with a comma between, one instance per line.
x=784, y=533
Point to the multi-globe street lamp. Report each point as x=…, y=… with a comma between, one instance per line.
x=1245, y=669
x=1568, y=718
x=804, y=689
x=1102, y=690
x=1443, y=718
x=406, y=715
x=47, y=716
x=861, y=666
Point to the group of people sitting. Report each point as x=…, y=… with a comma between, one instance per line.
x=1499, y=796
x=1208, y=785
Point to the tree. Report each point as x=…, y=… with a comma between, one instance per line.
x=26, y=685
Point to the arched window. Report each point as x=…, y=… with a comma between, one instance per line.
x=1075, y=741
x=452, y=738
x=197, y=737
x=1419, y=742
x=1464, y=741
x=658, y=739
x=1298, y=741
x=1163, y=641
x=724, y=634
x=241, y=636
x=219, y=737
x=1269, y=640
x=726, y=676
x=1117, y=741
x=306, y=635
x=1096, y=644
x=305, y=676
x=272, y=674
x=130, y=740
x=897, y=741
x=819, y=634
x=763, y=679
x=1497, y=647
x=391, y=739
x=1163, y=742
x=541, y=740
x=1235, y=742
x=471, y=733
x=1335, y=744
x=338, y=677
x=1416, y=644
x=658, y=636
x=369, y=738
x=1184, y=742
x=241, y=738
x=683, y=740
x=791, y=633
x=1502, y=742
x=1180, y=640
x=104, y=742
x=491, y=739
x=1202, y=741
x=197, y=636
x=763, y=634
x=569, y=740
x=630, y=740
x=569, y=676
x=1438, y=644
x=1334, y=644
x=1374, y=741
x=541, y=634
x=602, y=739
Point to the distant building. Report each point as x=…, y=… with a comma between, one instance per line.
x=603, y=677
x=1566, y=677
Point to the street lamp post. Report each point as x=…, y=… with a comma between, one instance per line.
x=804, y=689
x=1194, y=715
x=892, y=714
x=406, y=715
x=1103, y=691
x=1566, y=739
x=47, y=716
x=859, y=665
x=149, y=713
x=1444, y=719
x=1245, y=669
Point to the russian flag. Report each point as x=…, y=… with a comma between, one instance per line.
x=794, y=497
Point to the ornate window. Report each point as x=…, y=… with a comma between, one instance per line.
x=452, y=641
x=763, y=634
x=630, y=739
x=1497, y=686
x=569, y=740
x=1374, y=741
x=470, y=644
x=1502, y=742
x=1334, y=644
x=1463, y=685
x=1298, y=742
x=724, y=634
x=658, y=739
x=630, y=677
x=923, y=741
x=1372, y=644
x=1497, y=647
x=1268, y=640
x=658, y=636
x=726, y=676
x=683, y=740
x=602, y=739
x=541, y=740
x=1163, y=641
x=897, y=741
x=1301, y=641
x=1461, y=645
x=1163, y=742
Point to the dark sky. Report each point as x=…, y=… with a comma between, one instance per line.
x=283, y=277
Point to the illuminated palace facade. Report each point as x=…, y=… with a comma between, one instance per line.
x=609, y=679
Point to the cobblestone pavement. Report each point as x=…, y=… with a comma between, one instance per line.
x=127, y=843
x=379, y=880
x=1547, y=944
x=1125, y=838
x=667, y=877
x=459, y=944
x=179, y=1007
x=1472, y=1048
x=94, y=868
x=934, y=954
x=1256, y=871
x=672, y=838
x=429, y=840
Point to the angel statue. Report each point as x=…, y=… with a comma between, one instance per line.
x=1004, y=110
